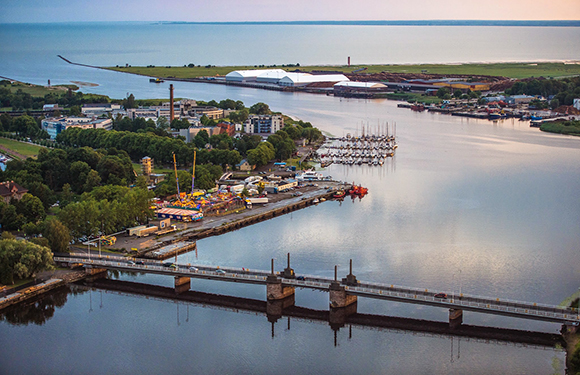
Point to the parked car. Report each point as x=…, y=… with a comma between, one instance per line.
x=300, y=278
x=221, y=272
x=441, y=295
x=194, y=269
x=131, y=263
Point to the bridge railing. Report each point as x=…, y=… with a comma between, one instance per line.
x=532, y=310
x=318, y=282
x=472, y=297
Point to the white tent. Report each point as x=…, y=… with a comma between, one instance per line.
x=252, y=75
x=303, y=79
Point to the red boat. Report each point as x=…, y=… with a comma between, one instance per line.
x=339, y=194
x=358, y=190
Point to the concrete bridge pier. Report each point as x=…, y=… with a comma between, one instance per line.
x=95, y=273
x=274, y=308
x=182, y=284
x=455, y=318
x=274, y=288
x=342, y=305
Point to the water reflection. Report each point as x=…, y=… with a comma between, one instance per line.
x=38, y=311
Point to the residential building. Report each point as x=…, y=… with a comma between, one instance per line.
x=55, y=125
x=244, y=166
x=265, y=124
x=577, y=104
x=227, y=128
x=11, y=190
x=192, y=131
x=147, y=165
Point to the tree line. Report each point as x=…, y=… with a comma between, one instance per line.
x=564, y=91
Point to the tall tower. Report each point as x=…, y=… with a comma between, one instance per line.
x=171, y=113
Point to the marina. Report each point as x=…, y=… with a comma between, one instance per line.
x=370, y=148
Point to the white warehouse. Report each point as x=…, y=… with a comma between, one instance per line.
x=282, y=77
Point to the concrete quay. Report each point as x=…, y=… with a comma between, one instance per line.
x=216, y=225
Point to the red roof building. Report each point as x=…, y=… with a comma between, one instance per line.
x=11, y=190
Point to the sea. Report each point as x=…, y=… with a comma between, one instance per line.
x=489, y=208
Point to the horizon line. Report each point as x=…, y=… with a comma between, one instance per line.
x=431, y=22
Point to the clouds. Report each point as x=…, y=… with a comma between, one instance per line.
x=279, y=10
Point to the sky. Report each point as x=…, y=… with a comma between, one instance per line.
x=280, y=10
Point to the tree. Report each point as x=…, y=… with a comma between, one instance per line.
x=58, y=235
x=239, y=116
x=75, y=110
x=554, y=103
x=260, y=109
x=442, y=92
x=457, y=93
x=22, y=259
x=129, y=102
x=201, y=139
x=162, y=122
x=31, y=208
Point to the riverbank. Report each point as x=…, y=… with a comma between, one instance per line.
x=52, y=281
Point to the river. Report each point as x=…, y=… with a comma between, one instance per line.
x=488, y=207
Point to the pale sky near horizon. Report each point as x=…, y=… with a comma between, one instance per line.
x=279, y=10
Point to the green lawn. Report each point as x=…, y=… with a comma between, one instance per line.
x=511, y=70
x=22, y=148
x=36, y=90
x=40, y=91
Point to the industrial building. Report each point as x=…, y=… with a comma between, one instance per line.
x=246, y=76
x=99, y=109
x=304, y=79
x=350, y=88
x=281, y=77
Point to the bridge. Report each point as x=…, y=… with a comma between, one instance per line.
x=343, y=293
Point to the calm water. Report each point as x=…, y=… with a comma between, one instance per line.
x=488, y=207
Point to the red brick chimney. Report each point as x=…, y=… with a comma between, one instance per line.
x=171, y=113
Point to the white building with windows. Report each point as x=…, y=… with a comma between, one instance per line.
x=56, y=125
x=98, y=109
x=265, y=124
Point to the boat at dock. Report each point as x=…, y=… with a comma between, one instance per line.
x=310, y=176
x=339, y=194
x=156, y=80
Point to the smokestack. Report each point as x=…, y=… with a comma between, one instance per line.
x=349, y=61
x=171, y=113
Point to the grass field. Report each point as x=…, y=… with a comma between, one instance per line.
x=40, y=91
x=36, y=90
x=21, y=148
x=511, y=70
